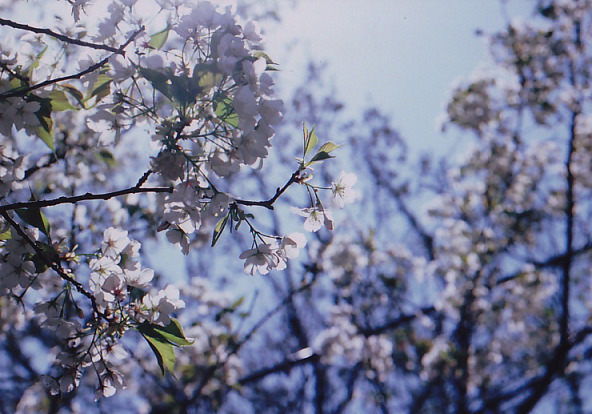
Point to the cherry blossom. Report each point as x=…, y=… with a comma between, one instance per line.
x=342, y=189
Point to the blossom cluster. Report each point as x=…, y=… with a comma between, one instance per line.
x=117, y=272
x=200, y=88
x=123, y=295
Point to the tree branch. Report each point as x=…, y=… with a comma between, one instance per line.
x=15, y=25
x=557, y=260
x=395, y=323
x=284, y=366
x=269, y=203
x=82, y=197
x=90, y=69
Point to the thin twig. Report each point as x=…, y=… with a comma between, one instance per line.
x=269, y=203
x=143, y=179
x=82, y=197
x=90, y=69
x=15, y=25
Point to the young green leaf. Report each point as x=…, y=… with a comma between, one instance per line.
x=328, y=147
x=60, y=102
x=75, y=93
x=157, y=40
x=160, y=81
x=173, y=332
x=163, y=350
x=162, y=341
x=107, y=157
x=206, y=76
x=310, y=140
x=219, y=229
x=101, y=88
x=184, y=89
x=230, y=309
x=44, y=131
x=46, y=136
x=49, y=253
x=323, y=153
x=225, y=110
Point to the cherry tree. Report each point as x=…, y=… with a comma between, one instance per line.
x=115, y=129
x=464, y=283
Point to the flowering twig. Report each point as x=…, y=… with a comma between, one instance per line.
x=90, y=69
x=15, y=25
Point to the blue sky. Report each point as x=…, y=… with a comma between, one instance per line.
x=400, y=55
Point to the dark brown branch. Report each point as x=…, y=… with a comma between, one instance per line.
x=284, y=366
x=395, y=323
x=143, y=179
x=536, y=384
x=82, y=197
x=5, y=22
x=90, y=69
x=269, y=203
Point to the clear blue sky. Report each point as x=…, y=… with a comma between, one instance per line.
x=401, y=55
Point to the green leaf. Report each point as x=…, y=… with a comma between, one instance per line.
x=261, y=54
x=184, y=89
x=163, y=350
x=157, y=40
x=101, y=88
x=328, y=147
x=319, y=156
x=173, y=332
x=6, y=235
x=47, y=137
x=60, y=102
x=206, y=76
x=76, y=94
x=35, y=218
x=224, y=109
x=49, y=253
x=237, y=303
x=107, y=157
x=323, y=153
x=162, y=340
x=219, y=229
x=45, y=122
x=310, y=140
x=160, y=81
x=230, y=309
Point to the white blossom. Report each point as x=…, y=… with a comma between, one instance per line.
x=343, y=193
